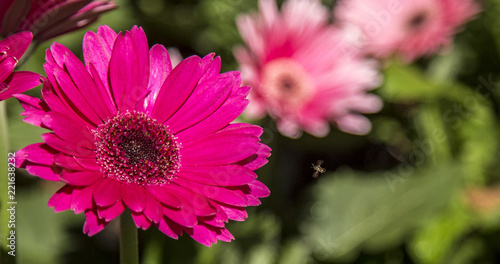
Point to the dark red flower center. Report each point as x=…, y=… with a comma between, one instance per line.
x=132, y=147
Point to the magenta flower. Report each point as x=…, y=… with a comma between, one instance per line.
x=130, y=131
x=48, y=19
x=408, y=28
x=11, y=50
x=302, y=71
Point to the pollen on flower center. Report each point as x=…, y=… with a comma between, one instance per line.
x=286, y=83
x=132, y=147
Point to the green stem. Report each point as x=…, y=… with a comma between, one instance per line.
x=4, y=148
x=129, y=249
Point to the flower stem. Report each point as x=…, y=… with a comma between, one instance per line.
x=129, y=249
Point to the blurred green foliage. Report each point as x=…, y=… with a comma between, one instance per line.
x=402, y=194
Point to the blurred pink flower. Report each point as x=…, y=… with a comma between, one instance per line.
x=408, y=28
x=11, y=50
x=49, y=18
x=128, y=130
x=303, y=71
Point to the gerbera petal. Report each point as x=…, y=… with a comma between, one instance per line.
x=93, y=224
x=81, y=198
x=19, y=82
x=219, y=150
x=231, y=109
x=17, y=44
x=199, y=203
x=160, y=68
x=177, y=88
x=234, y=212
x=167, y=226
x=153, y=210
x=37, y=153
x=61, y=200
x=111, y=212
x=107, y=192
x=83, y=149
x=134, y=197
x=128, y=70
x=67, y=162
x=223, y=195
x=228, y=175
x=80, y=178
x=184, y=216
x=50, y=173
x=205, y=99
x=68, y=130
x=140, y=220
x=163, y=195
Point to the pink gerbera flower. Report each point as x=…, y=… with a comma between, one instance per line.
x=48, y=19
x=11, y=50
x=409, y=28
x=130, y=131
x=303, y=72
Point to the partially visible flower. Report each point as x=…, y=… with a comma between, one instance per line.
x=11, y=50
x=409, y=28
x=128, y=130
x=48, y=19
x=303, y=71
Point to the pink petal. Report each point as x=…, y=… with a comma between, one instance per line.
x=6, y=67
x=81, y=198
x=177, y=88
x=111, y=212
x=159, y=68
x=231, y=109
x=153, y=210
x=17, y=43
x=67, y=162
x=93, y=224
x=68, y=130
x=97, y=98
x=76, y=150
x=81, y=178
x=38, y=153
x=164, y=195
x=88, y=163
x=133, y=196
x=219, y=150
x=74, y=96
x=234, y=213
x=128, y=70
x=229, y=175
x=61, y=200
x=205, y=99
x=184, y=216
x=140, y=220
x=167, y=226
x=19, y=82
x=200, y=204
x=50, y=173
x=224, y=195
x=204, y=235
x=107, y=192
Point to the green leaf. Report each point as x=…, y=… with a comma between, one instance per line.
x=374, y=211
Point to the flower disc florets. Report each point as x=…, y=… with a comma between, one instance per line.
x=132, y=147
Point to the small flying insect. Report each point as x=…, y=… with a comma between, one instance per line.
x=317, y=168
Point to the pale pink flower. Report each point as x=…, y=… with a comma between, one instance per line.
x=303, y=72
x=11, y=50
x=49, y=18
x=408, y=28
x=129, y=130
